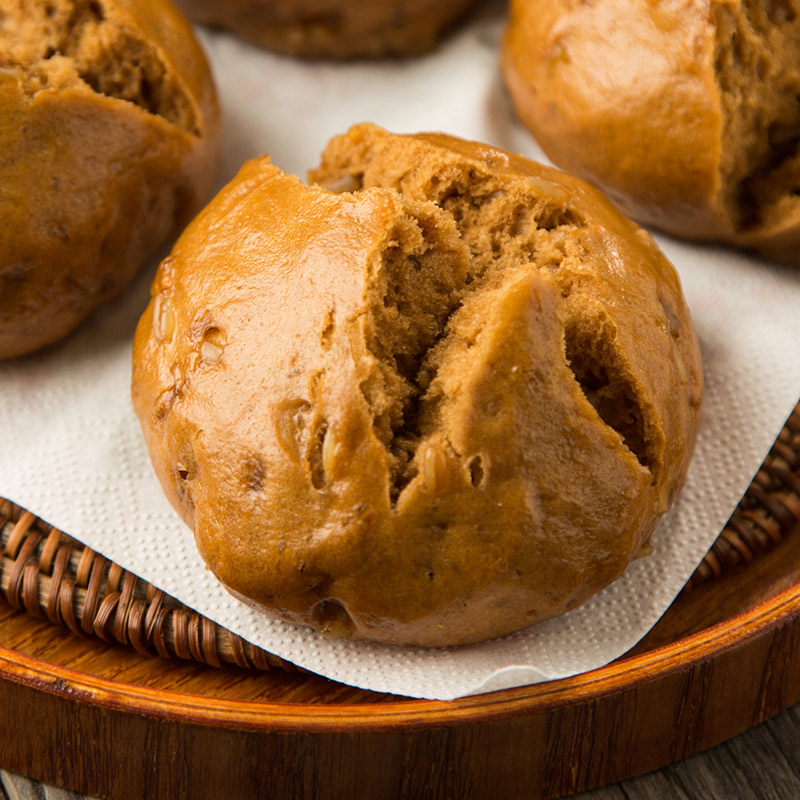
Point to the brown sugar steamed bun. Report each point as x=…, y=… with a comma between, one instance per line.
x=436, y=396
x=333, y=28
x=685, y=112
x=108, y=146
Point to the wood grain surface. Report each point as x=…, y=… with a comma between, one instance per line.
x=104, y=720
x=760, y=764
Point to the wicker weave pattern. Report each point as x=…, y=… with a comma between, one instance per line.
x=51, y=576
x=769, y=510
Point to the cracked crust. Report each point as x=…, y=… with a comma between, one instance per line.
x=451, y=394
x=108, y=145
x=686, y=112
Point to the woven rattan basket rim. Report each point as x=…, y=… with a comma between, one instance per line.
x=50, y=575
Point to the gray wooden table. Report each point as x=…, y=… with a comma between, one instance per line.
x=761, y=764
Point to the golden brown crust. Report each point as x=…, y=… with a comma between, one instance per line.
x=684, y=112
x=432, y=410
x=333, y=28
x=109, y=136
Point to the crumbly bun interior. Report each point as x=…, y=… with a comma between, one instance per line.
x=509, y=227
x=57, y=44
x=757, y=70
x=436, y=396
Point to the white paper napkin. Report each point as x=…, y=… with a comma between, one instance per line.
x=73, y=454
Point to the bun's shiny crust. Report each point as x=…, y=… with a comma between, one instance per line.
x=109, y=134
x=683, y=111
x=439, y=406
x=333, y=28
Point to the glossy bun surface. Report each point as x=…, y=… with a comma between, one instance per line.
x=438, y=395
x=109, y=135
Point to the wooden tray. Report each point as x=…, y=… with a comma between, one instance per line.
x=117, y=718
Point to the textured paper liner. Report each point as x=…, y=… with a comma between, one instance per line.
x=48, y=574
